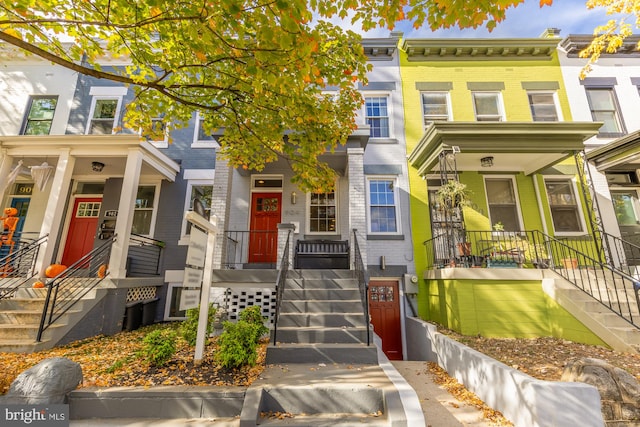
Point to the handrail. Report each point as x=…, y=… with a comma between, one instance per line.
x=360, y=273
x=574, y=258
x=623, y=252
x=280, y=284
x=67, y=288
x=19, y=267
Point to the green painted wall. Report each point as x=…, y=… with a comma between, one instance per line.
x=500, y=308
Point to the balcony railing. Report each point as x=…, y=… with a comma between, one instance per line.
x=241, y=249
x=144, y=257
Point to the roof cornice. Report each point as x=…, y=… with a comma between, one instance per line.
x=479, y=49
x=574, y=43
x=381, y=49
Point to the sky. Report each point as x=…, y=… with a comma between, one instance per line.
x=526, y=20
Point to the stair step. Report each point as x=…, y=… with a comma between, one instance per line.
x=321, y=334
x=325, y=420
x=19, y=345
x=22, y=303
x=320, y=306
x=321, y=294
x=325, y=274
x=22, y=332
x=322, y=353
x=305, y=283
x=321, y=319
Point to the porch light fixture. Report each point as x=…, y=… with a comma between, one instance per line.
x=294, y=198
x=486, y=162
x=97, y=166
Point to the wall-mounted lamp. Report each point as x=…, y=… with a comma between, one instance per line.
x=294, y=197
x=383, y=262
x=97, y=166
x=486, y=162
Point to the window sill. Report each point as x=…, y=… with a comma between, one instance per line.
x=385, y=236
x=205, y=144
x=382, y=140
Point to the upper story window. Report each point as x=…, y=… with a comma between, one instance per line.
x=203, y=191
x=323, y=213
x=435, y=106
x=377, y=116
x=383, y=205
x=143, y=210
x=104, y=115
x=503, y=203
x=543, y=106
x=604, y=108
x=487, y=106
x=563, y=203
x=202, y=139
x=39, y=116
x=160, y=129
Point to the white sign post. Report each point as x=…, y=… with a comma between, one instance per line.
x=195, y=255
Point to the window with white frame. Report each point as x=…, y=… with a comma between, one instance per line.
x=503, y=203
x=39, y=116
x=104, y=115
x=383, y=205
x=564, y=206
x=159, y=133
x=543, y=106
x=377, y=116
x=626, y=206
x=172, y=308
x=604, y=108
x=435, y=106
x=487, y=106
x=323, y=213
x=202, y=138
x=203, y=191
x=144, y=208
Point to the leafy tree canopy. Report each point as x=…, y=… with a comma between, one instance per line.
x=256, y=70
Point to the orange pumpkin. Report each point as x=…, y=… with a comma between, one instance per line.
x=102, y=271
x=38, y=285
x=54, y=269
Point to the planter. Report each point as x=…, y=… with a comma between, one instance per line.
x=570, y=263
x=501, y=264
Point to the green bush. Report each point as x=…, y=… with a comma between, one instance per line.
x=189, y=327
x=159, y=346
x=238, y=344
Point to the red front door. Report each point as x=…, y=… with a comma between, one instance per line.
x=384, y=307
x=82, y=229
x=265, y=217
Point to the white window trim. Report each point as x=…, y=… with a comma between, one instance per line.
x=308, y=215
x=160, y=143
x=116, y=118
x=516, y=194
x=556, y=102
x=387, y=95
x=501, y=110
x=255, y=189
x=196, y=143
x=396, y=195
x=184, y=238
x=449, y=109
x=578, y=204
x=167, y=306
x=156, y=202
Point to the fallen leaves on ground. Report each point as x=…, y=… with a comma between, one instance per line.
x=459, y=391
x=545, y=358
x=114, y=361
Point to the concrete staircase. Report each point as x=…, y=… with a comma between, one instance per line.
x=20, y=320
x=609, y=326
x=321, y=321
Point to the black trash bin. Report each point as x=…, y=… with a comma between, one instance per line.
x=132, y=316
x=149, y=311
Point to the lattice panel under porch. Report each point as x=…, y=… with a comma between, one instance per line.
x=238, y=300
x=141, y=294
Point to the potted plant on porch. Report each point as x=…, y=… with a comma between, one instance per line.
x=452, y=195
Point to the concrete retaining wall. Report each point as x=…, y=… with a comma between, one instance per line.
x=525, y=401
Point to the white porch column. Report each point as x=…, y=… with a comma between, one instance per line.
x=220, y=207
x=6, y=162
x=55, y=210
x=357, y=201
x=124, y=221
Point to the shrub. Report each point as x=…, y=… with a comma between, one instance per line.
x=159, y=346
x=238, y=344
x=189, y=327
x=253, y=315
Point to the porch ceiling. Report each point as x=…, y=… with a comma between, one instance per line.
x=621, y=154
x=111, y=150
x=526, y=147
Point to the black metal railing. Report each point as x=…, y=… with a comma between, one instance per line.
x=242, y=248
x=280, y=284
x=361, y=275
x=576, y=259
x=19, y=267
x=69, y=287
x=144, y=256
x=625, y=254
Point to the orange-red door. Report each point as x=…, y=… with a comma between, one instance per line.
x=265, y=217
x=82, y=229
x=384, y=308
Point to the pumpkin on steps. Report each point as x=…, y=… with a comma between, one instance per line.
x=102, y=271
x=38, y=285
x=54, y=269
